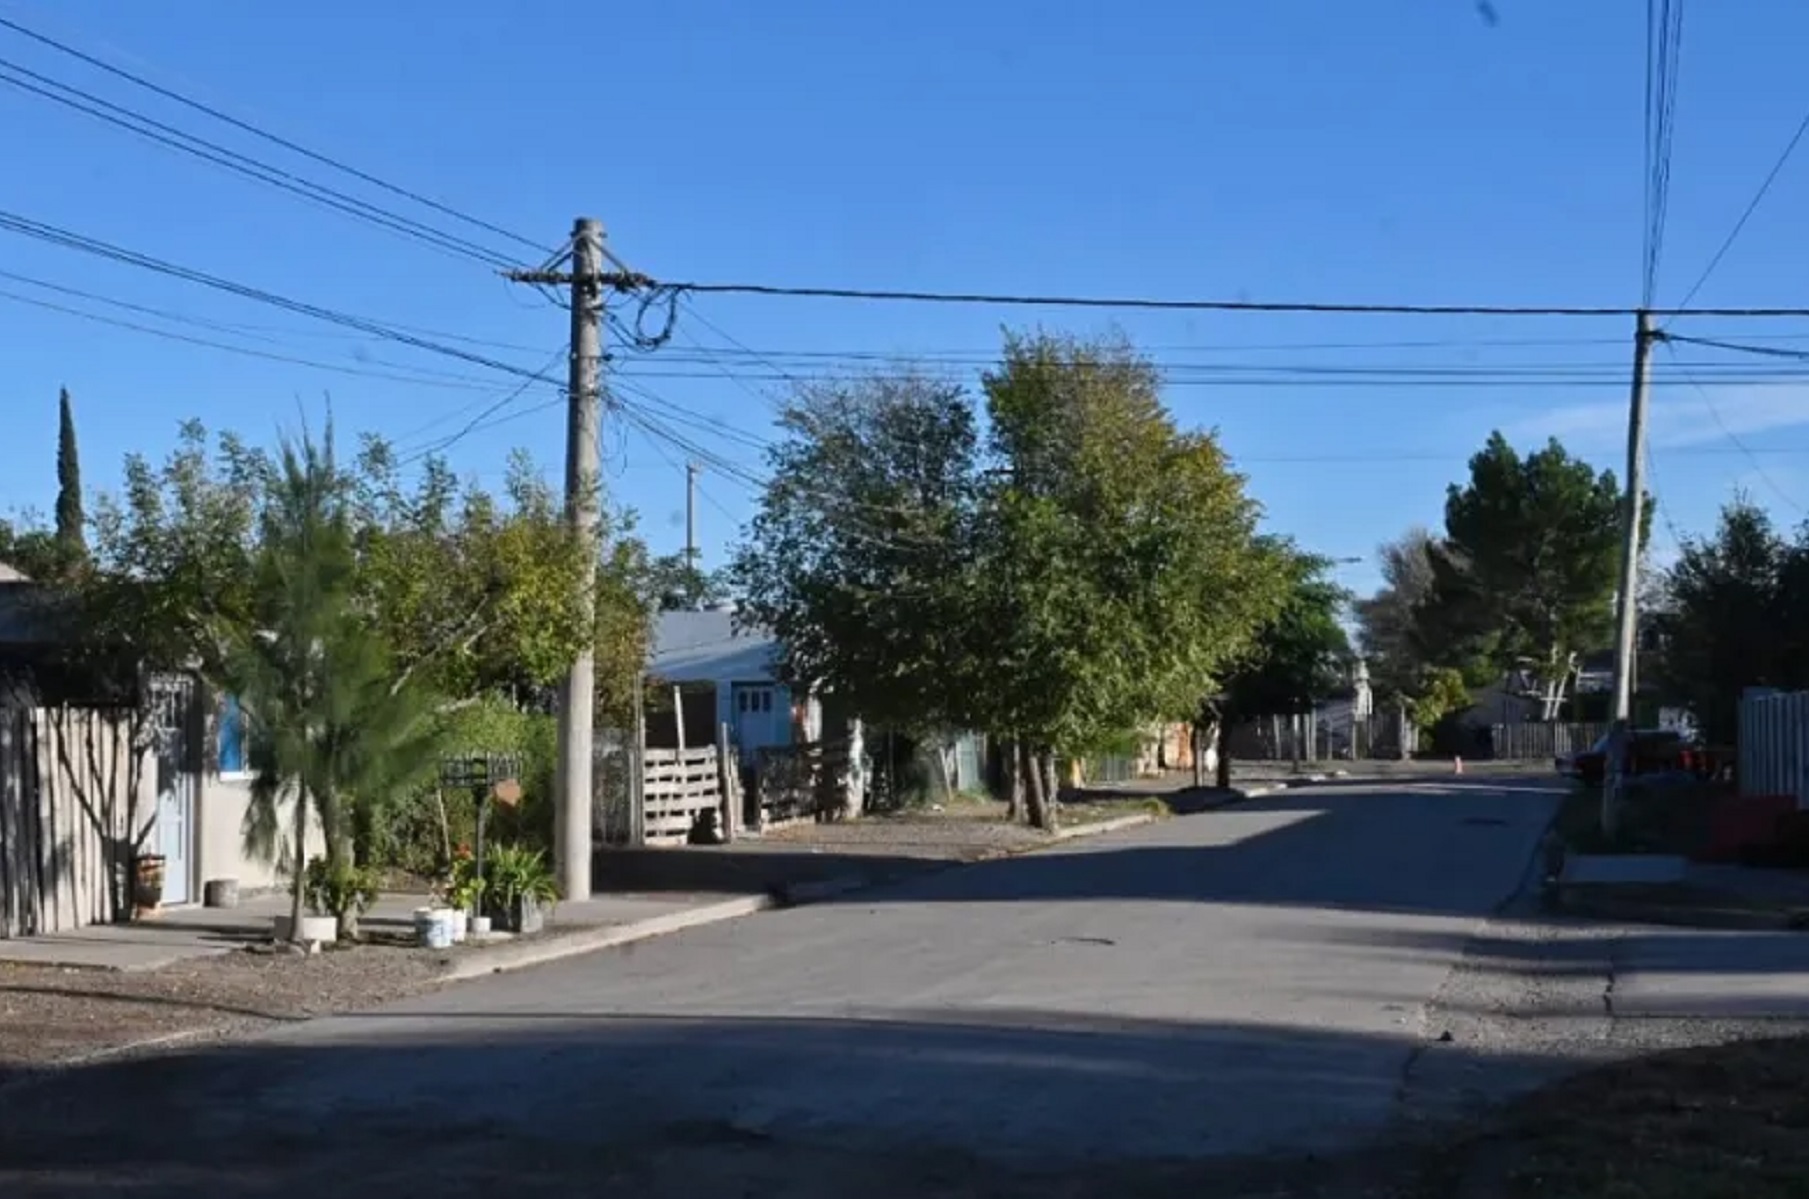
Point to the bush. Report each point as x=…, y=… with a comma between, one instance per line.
x=415, y=831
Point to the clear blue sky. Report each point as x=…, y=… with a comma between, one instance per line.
x=1393, y=150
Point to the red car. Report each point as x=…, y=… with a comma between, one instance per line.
x=1648, y=751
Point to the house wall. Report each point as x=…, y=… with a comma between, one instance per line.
x=220, y=840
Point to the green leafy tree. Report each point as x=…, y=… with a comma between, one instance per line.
x=1120, y=575
x=1734, y=615
x=30, y=548
x=859, y=559
x=333, y=725
x=679, y=585
x=1299, y=657
x=71, y=534
x=1528, y=569
x=479, y=593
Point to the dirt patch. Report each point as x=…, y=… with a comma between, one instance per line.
x=966, y=828
x=1727, y=1122
x=51, y=1014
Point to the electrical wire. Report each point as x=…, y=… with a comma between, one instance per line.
x=893, y=295
x=481, y=420
x=1715, y=413
x=223, y=156
x=247, y=127
x=1664, y=45
x=51, y=234
x=448, y=382
x=1752, y=206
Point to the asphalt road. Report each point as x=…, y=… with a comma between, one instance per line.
x=1250, y=981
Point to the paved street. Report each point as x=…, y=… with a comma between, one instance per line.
x=1247, y=981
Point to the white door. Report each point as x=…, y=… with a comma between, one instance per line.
x=754, y=719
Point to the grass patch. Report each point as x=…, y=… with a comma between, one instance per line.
x=1727, y=1122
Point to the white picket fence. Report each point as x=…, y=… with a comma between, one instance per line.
x=1774, y=744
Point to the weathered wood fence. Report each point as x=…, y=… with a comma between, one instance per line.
x=816, y=780
x=1533, y=741
x=68, y=823
x=1774, y=744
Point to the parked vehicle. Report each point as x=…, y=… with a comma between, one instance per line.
x=1649, y=751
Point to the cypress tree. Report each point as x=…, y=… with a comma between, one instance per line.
x=71, y=537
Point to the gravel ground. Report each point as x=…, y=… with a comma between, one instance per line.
x=50, y=1015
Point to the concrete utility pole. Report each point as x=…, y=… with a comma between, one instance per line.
x=583, y=505
x=691, y=470
x=1626, y=641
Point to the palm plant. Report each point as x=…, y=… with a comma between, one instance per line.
x=331, y=725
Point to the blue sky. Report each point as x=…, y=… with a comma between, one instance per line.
x=1395, y=150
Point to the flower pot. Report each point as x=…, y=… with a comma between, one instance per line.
x=480, y=926
x=461, y=925
x=324, y=929
x=522, y=916
x=147, y=881
x=434, y=927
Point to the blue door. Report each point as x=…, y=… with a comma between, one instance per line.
x=174, y=837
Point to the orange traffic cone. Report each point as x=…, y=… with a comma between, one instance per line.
x=1457, y=765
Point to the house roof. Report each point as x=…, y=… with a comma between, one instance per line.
x=706, y=647
x=12, y=574
x=27, y=613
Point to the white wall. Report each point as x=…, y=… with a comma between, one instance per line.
x=220, y=817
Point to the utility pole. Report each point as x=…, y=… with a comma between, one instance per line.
x=583, y=509
x=1626, y=640
x=691, y=470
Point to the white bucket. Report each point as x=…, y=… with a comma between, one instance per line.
x=434, y=927
x=461, y=925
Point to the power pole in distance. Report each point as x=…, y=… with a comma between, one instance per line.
x=691, y=470
x=1626, y=641
x=583, y=506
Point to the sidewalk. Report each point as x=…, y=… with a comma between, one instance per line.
x=193, y=933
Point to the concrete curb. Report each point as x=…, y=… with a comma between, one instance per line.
x=1620, y=909
x=516, y=957
x=1101, y=827
x=483, y=963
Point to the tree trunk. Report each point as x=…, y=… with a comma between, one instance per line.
x=1224, y=758
x=298, y=862
x=1013, y=781
x=1036, y=797
x=1197, y=743
x=1052, y=786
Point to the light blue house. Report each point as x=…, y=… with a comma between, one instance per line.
x=732, y=673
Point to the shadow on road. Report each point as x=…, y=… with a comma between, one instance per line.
x=995, y=1103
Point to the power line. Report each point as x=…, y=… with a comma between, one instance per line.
x=1752, y=206
x=25, y=226
x=1664, y=43
x=223, y=156
x=266, y=135
x=1157, y=305
x=442, y=381
x=1715, y=412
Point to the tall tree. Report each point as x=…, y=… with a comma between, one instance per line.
x=1530, y=559
x=72, y=537
x=1734, y=616
x=1120, y=573
x=478, y=592
x=333, y=725
x=859, y=559
x=1299, y=657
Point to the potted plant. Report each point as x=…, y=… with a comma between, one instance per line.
x=336, y=897
x=519, y=888
x=147, y=881
x=464, y=895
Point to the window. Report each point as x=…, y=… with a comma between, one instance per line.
x=231, y=745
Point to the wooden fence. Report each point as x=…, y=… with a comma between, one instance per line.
x=815, y=780
x=678, y=785
x=1774, y=744
x=1534, y=741
x=68, y=823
